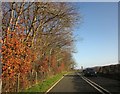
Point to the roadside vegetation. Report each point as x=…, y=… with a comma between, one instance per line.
x=46, y=84
x=37, y=42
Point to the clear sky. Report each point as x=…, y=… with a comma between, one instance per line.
x=99, y=33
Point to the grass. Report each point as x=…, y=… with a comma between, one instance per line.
x=46, y=84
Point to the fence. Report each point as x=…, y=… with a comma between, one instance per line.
x=20, y=82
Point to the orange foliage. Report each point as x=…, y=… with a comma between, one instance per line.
x=16, y=57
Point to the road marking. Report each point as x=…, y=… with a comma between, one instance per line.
x=96, y=86
x=55, y=84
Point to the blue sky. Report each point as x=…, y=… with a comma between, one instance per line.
x=99, y=31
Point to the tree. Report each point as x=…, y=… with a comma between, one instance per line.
x=37, y=36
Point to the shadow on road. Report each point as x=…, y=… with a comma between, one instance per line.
x=81, y=86
x=71, y=75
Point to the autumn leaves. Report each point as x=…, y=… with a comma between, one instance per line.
x=36, y=37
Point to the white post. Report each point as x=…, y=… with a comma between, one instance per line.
x=18, y=84
x=36, y=78
x=0, y=86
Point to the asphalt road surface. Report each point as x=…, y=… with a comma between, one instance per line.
x=75, y=83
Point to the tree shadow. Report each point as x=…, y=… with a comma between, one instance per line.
x=81, y=86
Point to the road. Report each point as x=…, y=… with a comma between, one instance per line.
x=75, y=83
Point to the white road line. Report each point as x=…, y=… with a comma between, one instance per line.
x=55, y=84
x=93, y=84
x=97, y=85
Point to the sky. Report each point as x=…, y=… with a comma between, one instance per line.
x=97, y=35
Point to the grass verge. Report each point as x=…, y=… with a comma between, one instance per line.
x=46, y=84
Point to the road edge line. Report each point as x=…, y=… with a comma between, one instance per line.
x=92, y=85
x=98, y=85
x=55, y=84
x=95, y=85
